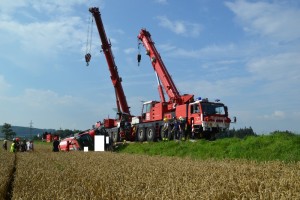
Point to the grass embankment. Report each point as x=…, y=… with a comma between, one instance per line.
x=280, y=146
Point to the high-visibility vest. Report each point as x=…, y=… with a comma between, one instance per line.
x=12, y=147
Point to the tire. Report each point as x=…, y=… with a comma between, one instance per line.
x=141, y=134
x=115, y=136
x=150, y=134
x=161, y=133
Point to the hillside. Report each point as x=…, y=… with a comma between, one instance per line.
x=26, y=131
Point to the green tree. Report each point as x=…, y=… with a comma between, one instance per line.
x=239, y=133
x=7, y=131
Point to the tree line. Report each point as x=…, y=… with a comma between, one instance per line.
x=238, y=133
x=9, y=134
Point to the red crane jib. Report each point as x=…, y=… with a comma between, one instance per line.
x=106, y=47
x=162, y=72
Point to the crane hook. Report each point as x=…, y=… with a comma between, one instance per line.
x=87, y=58
x=139, y=57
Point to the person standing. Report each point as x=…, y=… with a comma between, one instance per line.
x=31, y=146
x=181, y=128
x=175, y=129
x=28, y=145
x=23, y=146
x=4, y=145
x=55, y=145
x=17, y=144
x=13, y=146
x=166, y=130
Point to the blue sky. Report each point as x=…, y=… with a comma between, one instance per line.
x=246, y=53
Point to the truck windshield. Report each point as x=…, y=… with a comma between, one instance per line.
x=213, y=109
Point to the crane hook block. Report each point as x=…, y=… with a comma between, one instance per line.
x=139, y=57
x=87, y=58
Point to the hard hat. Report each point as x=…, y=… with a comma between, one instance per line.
x=165, y=119
x=180, y=118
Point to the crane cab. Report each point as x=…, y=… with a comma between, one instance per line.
x=153, y=111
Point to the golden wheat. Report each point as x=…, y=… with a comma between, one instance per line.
x=6, y=169
x=103, y=175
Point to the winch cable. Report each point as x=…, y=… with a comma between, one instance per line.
x=89, y=41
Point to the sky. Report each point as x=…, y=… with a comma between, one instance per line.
x=244, y=52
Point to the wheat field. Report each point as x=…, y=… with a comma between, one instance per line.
x=6, y=166
x=105, y=175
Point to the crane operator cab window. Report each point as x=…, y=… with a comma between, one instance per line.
x=146, y=109
x=195, y=108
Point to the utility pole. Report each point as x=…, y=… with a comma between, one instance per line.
x=30, y=129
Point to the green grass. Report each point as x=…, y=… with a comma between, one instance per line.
x=279, y=146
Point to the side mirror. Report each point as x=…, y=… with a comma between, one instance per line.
x=234, y=120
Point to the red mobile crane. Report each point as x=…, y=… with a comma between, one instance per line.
x=206, y=118
x=115, y=127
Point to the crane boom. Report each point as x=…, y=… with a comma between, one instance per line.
x=106, y=47
x=159, y=66
x=161, y=71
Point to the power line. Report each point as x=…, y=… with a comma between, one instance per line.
x=30, y=129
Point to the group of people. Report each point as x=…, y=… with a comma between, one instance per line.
x=175, y=127
x=18, y=146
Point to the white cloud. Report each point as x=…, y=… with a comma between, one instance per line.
x=46, y=37
x=43, y=6
x=180, y=27
x=216, y=89
x=284, y=66
x=167, y=47
x=45, y=99
x=130, y=50
x=4, y=85
x=56, y=5
x=8, y=6
x=48, y=109
x=277, y=114
x=275, y=20
x=44, y=27
x=162, y=1
x=215, y=52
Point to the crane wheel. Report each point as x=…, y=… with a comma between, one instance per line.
x=161, y=133
x=141, y=134
x=115, y=136
x=150, y=134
